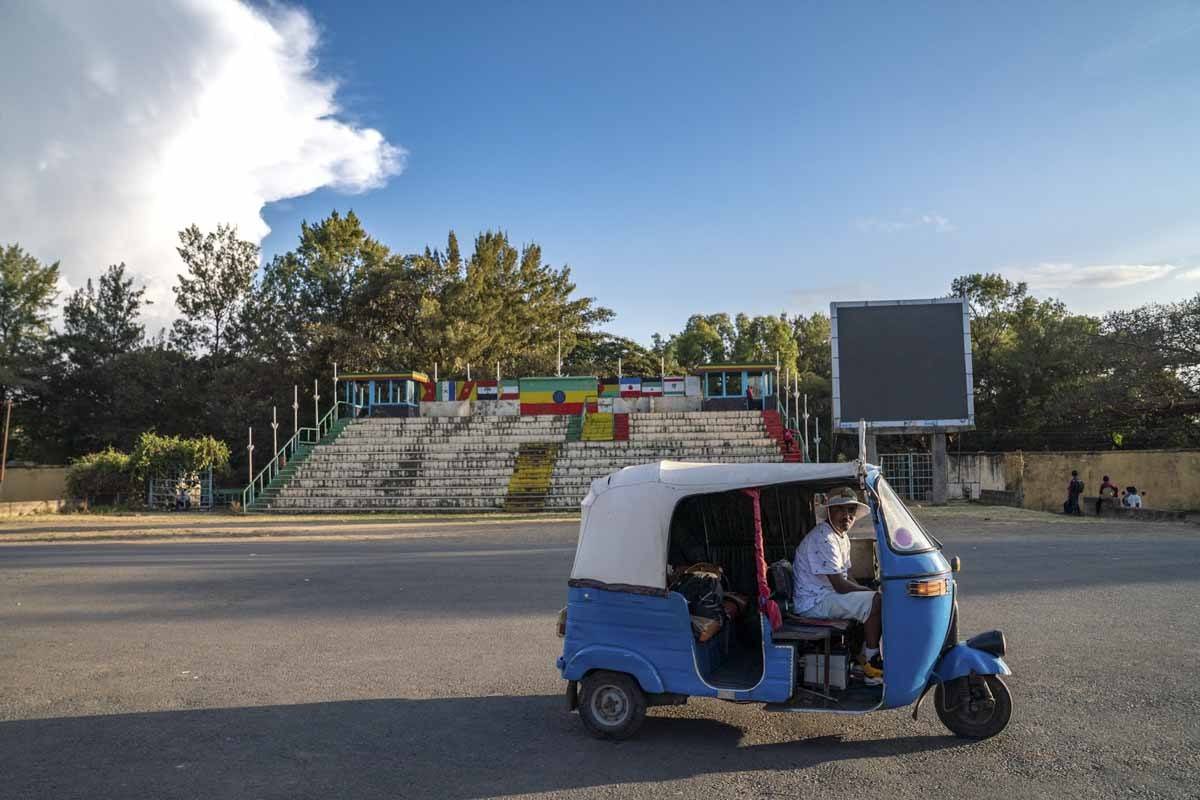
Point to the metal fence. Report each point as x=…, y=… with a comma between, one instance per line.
x=910, y=475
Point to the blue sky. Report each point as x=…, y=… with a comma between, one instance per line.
x=706, y=157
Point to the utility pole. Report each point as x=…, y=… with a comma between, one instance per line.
x=317, y=408
x=335, y=404
x=250, y=453
x=558, y=368
x=4, y=453
x=274, y=431
x=295, y=410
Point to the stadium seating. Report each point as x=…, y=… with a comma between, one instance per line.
x=492, y=463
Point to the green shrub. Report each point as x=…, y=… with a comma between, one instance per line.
x=165, y=456
x=106, y=474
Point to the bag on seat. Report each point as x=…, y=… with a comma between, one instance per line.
x=779, y=576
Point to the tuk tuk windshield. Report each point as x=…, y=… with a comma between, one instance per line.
x=904, y=533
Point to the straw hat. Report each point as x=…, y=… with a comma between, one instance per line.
x=846, y=497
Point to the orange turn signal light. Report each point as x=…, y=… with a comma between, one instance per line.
x=929, y=588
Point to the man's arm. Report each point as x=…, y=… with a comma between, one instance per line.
x=843, y=585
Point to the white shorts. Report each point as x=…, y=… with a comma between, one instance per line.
x=851, y=605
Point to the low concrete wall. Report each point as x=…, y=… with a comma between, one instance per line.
x=446, y=408
x=1167, y=479
x=25, y=484
x=497, y=408
x=675, y=403
x=970, y=474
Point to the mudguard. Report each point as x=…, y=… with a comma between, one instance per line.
x=616, y=659
x=963, y=659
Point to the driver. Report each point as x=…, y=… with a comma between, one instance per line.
x=822, y=586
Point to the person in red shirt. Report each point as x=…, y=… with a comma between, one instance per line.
x=1108, y=490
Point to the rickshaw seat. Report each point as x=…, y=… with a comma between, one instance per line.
x=817, y=622
x=794, y=632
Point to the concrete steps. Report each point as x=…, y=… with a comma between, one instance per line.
x=526, y=463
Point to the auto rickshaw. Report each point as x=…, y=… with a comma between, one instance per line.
x=631, y=639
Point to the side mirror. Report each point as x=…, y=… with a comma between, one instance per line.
x=955, y=564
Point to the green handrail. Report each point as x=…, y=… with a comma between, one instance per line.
x=304, y=437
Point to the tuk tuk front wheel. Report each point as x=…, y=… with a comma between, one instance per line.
x=611, y=705
x=975, y=706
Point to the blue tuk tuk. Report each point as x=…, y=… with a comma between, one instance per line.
x=631, y=641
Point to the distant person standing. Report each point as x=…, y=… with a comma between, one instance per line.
x=1074, y=490
x=1108, y=491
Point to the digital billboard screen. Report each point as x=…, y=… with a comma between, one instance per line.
x=902, y=364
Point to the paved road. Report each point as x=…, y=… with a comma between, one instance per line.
x=423, y=667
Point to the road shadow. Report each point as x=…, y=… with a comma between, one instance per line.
x=452, y=748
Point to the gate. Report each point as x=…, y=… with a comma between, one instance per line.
x=909, y=474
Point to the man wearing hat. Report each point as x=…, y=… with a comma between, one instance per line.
x=821, y=581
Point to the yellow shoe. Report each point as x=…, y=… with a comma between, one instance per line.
x=872, y=671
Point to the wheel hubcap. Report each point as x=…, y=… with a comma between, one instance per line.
x=610, y=705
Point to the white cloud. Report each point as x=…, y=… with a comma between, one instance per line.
x=136, y=120
x=1190, y=275
x=1098, y=276
x=936, y=222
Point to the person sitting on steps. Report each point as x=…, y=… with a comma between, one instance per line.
x=821, y=583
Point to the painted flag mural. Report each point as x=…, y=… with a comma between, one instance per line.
x=564, y=395
x=674, y=387
x=631, y=387
x=510, y=389
x=466, y=390
x=428, y=392
x=610, y=387
x=486, y=390
x=652, y=387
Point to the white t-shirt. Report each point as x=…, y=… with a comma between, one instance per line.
x=1133, y=501
x=821, y=553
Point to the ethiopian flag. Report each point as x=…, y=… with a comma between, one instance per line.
x=556, y=395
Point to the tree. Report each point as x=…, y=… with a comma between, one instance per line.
x=213, y=294
x=27, y=292
x=98, y=325
x=600, y=353
x=704, y=340
x=1035, y=368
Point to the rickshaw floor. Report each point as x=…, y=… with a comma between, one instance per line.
x=741, y=669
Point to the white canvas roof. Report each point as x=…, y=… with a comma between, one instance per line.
x=626, y=523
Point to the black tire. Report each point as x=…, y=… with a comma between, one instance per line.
x=611, y=705
x=972, y=715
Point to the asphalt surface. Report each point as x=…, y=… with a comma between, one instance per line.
x=423, y=666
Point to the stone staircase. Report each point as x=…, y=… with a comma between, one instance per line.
x=530, y=481
x=415, y=464
x=530, y=463
x=721, y=437
x=288, y=471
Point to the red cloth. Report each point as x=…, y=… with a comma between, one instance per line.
x=765, y=603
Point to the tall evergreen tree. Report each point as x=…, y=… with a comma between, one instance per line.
x=27, y=292
x=213, y=293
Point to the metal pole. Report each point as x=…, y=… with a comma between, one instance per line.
x=662, y=367
x=558, y=369
x=335, y=403
x=787, y=412
x=250, y=453
x=435, y=365
x=295, y=410
x=817, y=430
x=4, y=453
x=497, y=379
x=316, y=408
x=274, y=431
x=468, y=370
x=620, y=374
x=806, y=427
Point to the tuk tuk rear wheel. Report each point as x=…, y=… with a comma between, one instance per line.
x=979, y=706
x=611, y=705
